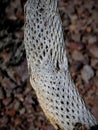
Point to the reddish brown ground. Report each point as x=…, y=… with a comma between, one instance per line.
x=19, y=108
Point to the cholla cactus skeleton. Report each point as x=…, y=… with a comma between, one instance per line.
x=48, y=66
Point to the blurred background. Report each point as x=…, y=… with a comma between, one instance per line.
x=19, y=108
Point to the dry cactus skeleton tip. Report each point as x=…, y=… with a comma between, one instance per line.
x=48, y=66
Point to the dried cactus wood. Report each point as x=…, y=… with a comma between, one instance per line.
x=48, y=67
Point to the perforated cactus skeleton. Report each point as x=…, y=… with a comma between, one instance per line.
x=48, y=67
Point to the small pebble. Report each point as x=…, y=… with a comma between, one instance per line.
x=76, y=55
x=87, y=73
x=92, y=39
x=93, y=49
